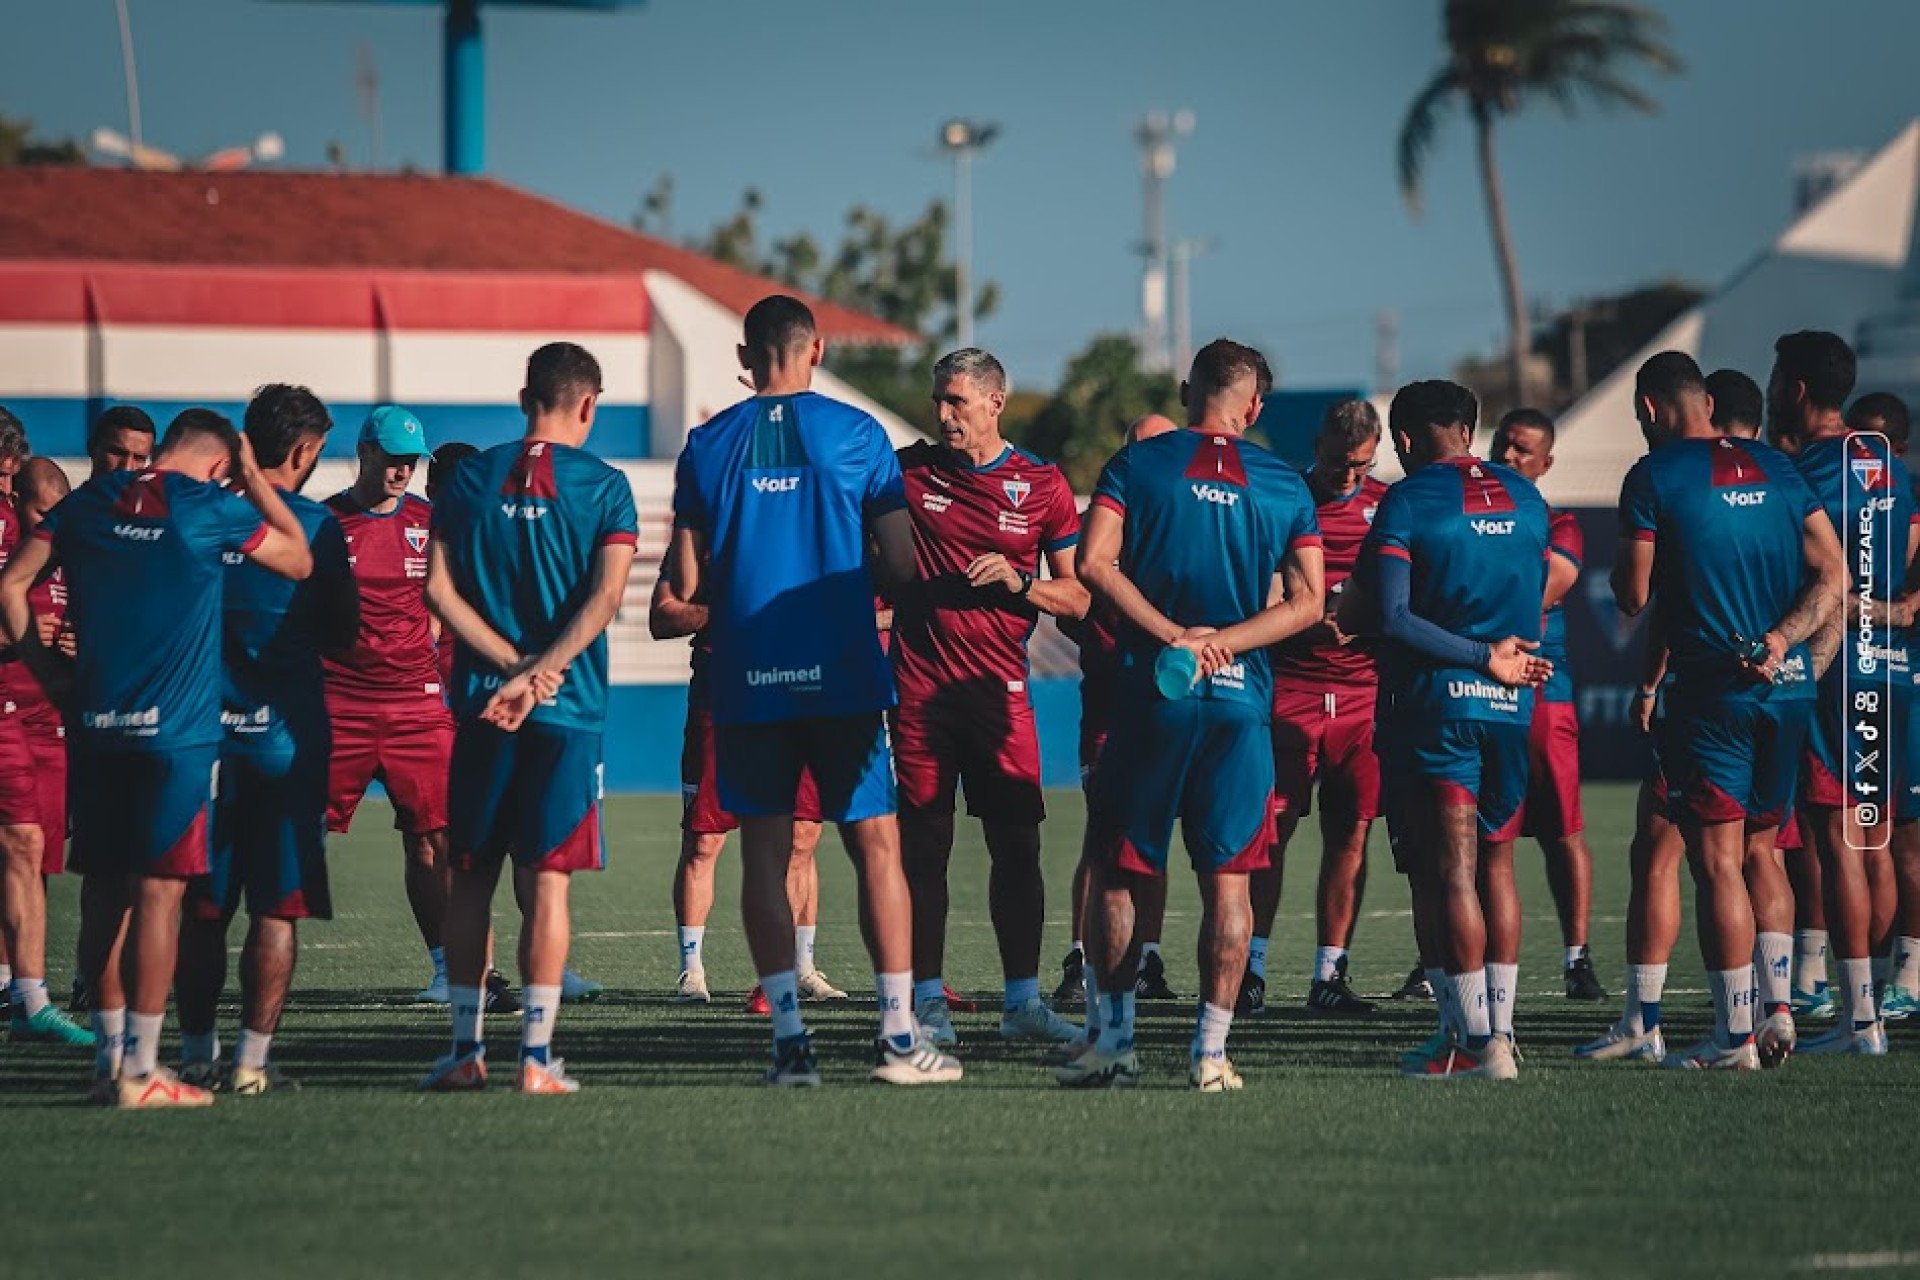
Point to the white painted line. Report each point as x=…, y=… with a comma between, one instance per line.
x=1857, y=1261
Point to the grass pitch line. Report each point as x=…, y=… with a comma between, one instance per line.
x=1880, y=1261
x=1514, y=1275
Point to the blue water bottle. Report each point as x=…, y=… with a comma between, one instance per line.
x=1175, y=672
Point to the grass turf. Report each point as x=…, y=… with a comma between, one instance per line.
x=673, y=1160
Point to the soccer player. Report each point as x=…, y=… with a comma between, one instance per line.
x=1186, y=537
x=121, y=440
x=704, y=824
x=1524, y=443
x=774, y=503
x=1454, y=568
x=1746, y=570
x=986, y=516
x=1855, y=477
x=532, y=542
x=143, y=557
x=269, y=820
x=1324, y=682
x=449, y=455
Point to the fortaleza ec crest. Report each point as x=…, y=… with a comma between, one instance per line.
x=1017, y=490
x=417, y=539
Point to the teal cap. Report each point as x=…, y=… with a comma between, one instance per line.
x=396, y=431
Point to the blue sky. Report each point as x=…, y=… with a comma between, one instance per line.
x=827, y=104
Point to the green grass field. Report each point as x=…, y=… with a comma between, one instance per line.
x=672, y=1160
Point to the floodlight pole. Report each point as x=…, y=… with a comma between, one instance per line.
x=465, y=86
x=963, y=138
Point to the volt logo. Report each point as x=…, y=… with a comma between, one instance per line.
x=776, y=484
x=1493, y=527
x=138, y=533
x=1750, y=498
x=521, y=511
x=1215, y=494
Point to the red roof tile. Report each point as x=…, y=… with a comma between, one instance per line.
x=321, y=220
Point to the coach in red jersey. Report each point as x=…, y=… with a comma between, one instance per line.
x=984, y=514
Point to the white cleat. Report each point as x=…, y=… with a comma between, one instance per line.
x=1034, y=1021
x=1774, y=1040
x=1456, y=1061
x=1870, y=1042
x=920, y=1063
x=1711, y=1055
x=1214, y=1075
x=1095, y=1068
x=815, y=988
x=936, y=1022
x=692, y=988
x=1623, y=1044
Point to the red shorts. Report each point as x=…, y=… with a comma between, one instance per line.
x=1552, y=810
x=1325, y=736
x=404, y=744
x=700, y=809
x=1790, y=840
x=984, y=741
x=33, y=781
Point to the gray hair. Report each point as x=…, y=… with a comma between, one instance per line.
x=974, y=363
x=1350, y=424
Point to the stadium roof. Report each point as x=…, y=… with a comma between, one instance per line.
x=321, y=221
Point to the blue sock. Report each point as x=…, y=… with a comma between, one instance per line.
x=1021, y=990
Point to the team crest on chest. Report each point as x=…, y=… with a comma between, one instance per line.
x=1016, y=490
x=1366, y=513
x=417, y=539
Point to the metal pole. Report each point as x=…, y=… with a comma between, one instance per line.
x=963, y=241
x=1182, y=306
x=465, y=89
x=133, y=78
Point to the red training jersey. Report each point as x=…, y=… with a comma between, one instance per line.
x=945, y=631
x=48, y=599
x=394, y=654
x=1305, y=662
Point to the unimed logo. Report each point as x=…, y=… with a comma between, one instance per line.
x=775, y=484
x=1215, y=494
x=1744, y=498
x=782, y=675
x=139, y=721
x=138, y=532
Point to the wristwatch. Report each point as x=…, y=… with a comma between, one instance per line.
x=1026, y=583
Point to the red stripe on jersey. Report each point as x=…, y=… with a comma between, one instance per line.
x=1481, y=491
x=146, y=497
x=1733, y=465
x=1305, y=540
x=620, y=538
x=532, y=473
x=1218, y=459
x=254, y=539
x=1398, y=553
x=46, y=535
x=1119, y=508
x=1644, y=535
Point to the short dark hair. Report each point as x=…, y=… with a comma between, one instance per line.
x=122, y=417
x=1524, y=417
x=1737, y=399
x=13, y=436
x=1886, y=408
x=445, y=459
x=200, y=424
x=560, y=375
x=1349, y=424
x=1669, y=377
x=776, y=326
x=1223, y=362
x=1822, y=361
x=1424, y=406
x=43, y=481
x=279, y=417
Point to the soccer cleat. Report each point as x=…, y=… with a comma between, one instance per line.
x=1870, y=1043
x=500, y=998
x=1582, y=982
x=1416, y=987
x=1214, y=1075
x=1333, y=998
x=1096, y=1068
x=1814, y=1006
x=957, y=1002
x=546, y=1078
x=80, y=1000
x=936, y=1023
x=1897, y=1004
x=463, y=1073
x=1151, y=984
x=251, y=1082
x=919, y=1063
x=692, y=988
x=1621, y=1044
x=1711, y=1055
x=161, y=1089
x=434, y=992
x=1072, y=991
x=793, y=1064
x=1059, y=1054
x=210, y=1076
x=1034, y=1021
x=1494, y=1060
x=757, y=1001
x=104, y=1092
x=1252, y=1000
x=1414, y=1060
x=814, y=988
x=575, y=989
x=50, y=1026
x=1774, y=1039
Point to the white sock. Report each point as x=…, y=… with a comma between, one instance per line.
x=934, y=988
x=6, y=973
x=540, y=1008
x=1645, y=983
x=1773, y=970
x=895, y=993
x=143, y=1044
x=1857, y=977
x=1210, y=1032
x=1810, y=957
x=1443, y=999
x=1021, y=990
x=109, y=1042
x=1148, y=949
x=1906, y=964
x=803, y=935
x=783, y=995
x=1081, y=947
x=1257, y=958
x=1470, y=1004
x=1733, y=994
x=1326, y=962
x=439, y=957
x=691, y=937
x=1503, y=987
x=29, y=996
x=251, y=1052
x=1116, y=1021
x=199, y=1048
x=467, y=1010
x=1573, y=953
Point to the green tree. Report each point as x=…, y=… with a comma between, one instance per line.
x=1102, y=393
x=18, y=146
x=1503, y=55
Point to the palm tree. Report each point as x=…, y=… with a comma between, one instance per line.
x=1504, y=54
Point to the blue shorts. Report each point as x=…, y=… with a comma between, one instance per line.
x=759, y=766
x=1207, y=763
x=534, y=793
x=1482, y=763
x=269, y=828
x=142, y=813
x=1733, y=759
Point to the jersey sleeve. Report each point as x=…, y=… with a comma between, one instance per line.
x=50, y=522
x=1111, y=489
x=884, y=488
x=330, y=559
x=1304, y=527
x=237, y=525
x=1060, y=523
x=619, y=521
x=1639, y=504
x=689, y=508
x=1391, y=534
x=1564, y=538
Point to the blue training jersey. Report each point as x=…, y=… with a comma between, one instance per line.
x=782, y=488
x=142, y=555
x=1474, y=536
x=522, y=525
x=1868, y=496
x=270, y=636
x=1209, y=519
x=1726, y=517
